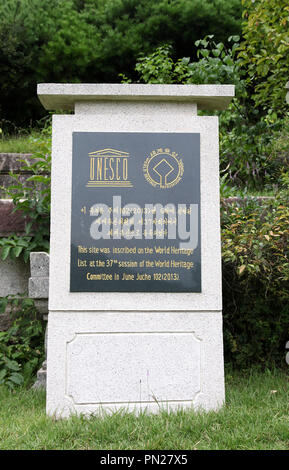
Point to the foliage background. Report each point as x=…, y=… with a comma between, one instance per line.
x=22, y=345
x=255, y=254
x=264, y=51
x=94, y=41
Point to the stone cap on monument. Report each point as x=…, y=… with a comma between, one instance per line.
x=63, y=96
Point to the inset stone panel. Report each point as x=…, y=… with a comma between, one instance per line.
x=133, y=367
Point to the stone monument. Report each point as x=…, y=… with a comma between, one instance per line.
x=135, y=307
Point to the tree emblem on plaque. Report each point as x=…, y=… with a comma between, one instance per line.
x=163, y=168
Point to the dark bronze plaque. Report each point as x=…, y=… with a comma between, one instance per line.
x=135, y=219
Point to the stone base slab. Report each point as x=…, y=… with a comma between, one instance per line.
x=106, y=361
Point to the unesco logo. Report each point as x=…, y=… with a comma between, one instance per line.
x=108, y=168
x=163, y=168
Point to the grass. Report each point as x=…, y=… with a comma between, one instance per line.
x=20, y=144
x=256, y=416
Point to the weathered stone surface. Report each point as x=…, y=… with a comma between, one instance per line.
x=39, y=280
x=65, y=95
x=39, y=264
x=7, y=180
x=17, y=164
x=10, y=162
x=10, y=221
x=38, y=290
x=41, y=377
x=38, y=287
x=14, y=275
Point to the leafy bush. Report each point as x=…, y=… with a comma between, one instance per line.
x=22, y=345
x=255, y=256
x=264, y=51
x=216, y=63
x=253, y=152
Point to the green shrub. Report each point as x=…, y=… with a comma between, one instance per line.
x=255, y=255
x=215, y=63
x=22, y=345
x=254, y=153
x=264, y=52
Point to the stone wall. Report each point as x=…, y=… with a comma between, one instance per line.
x=13, y=163
x=14, y=274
